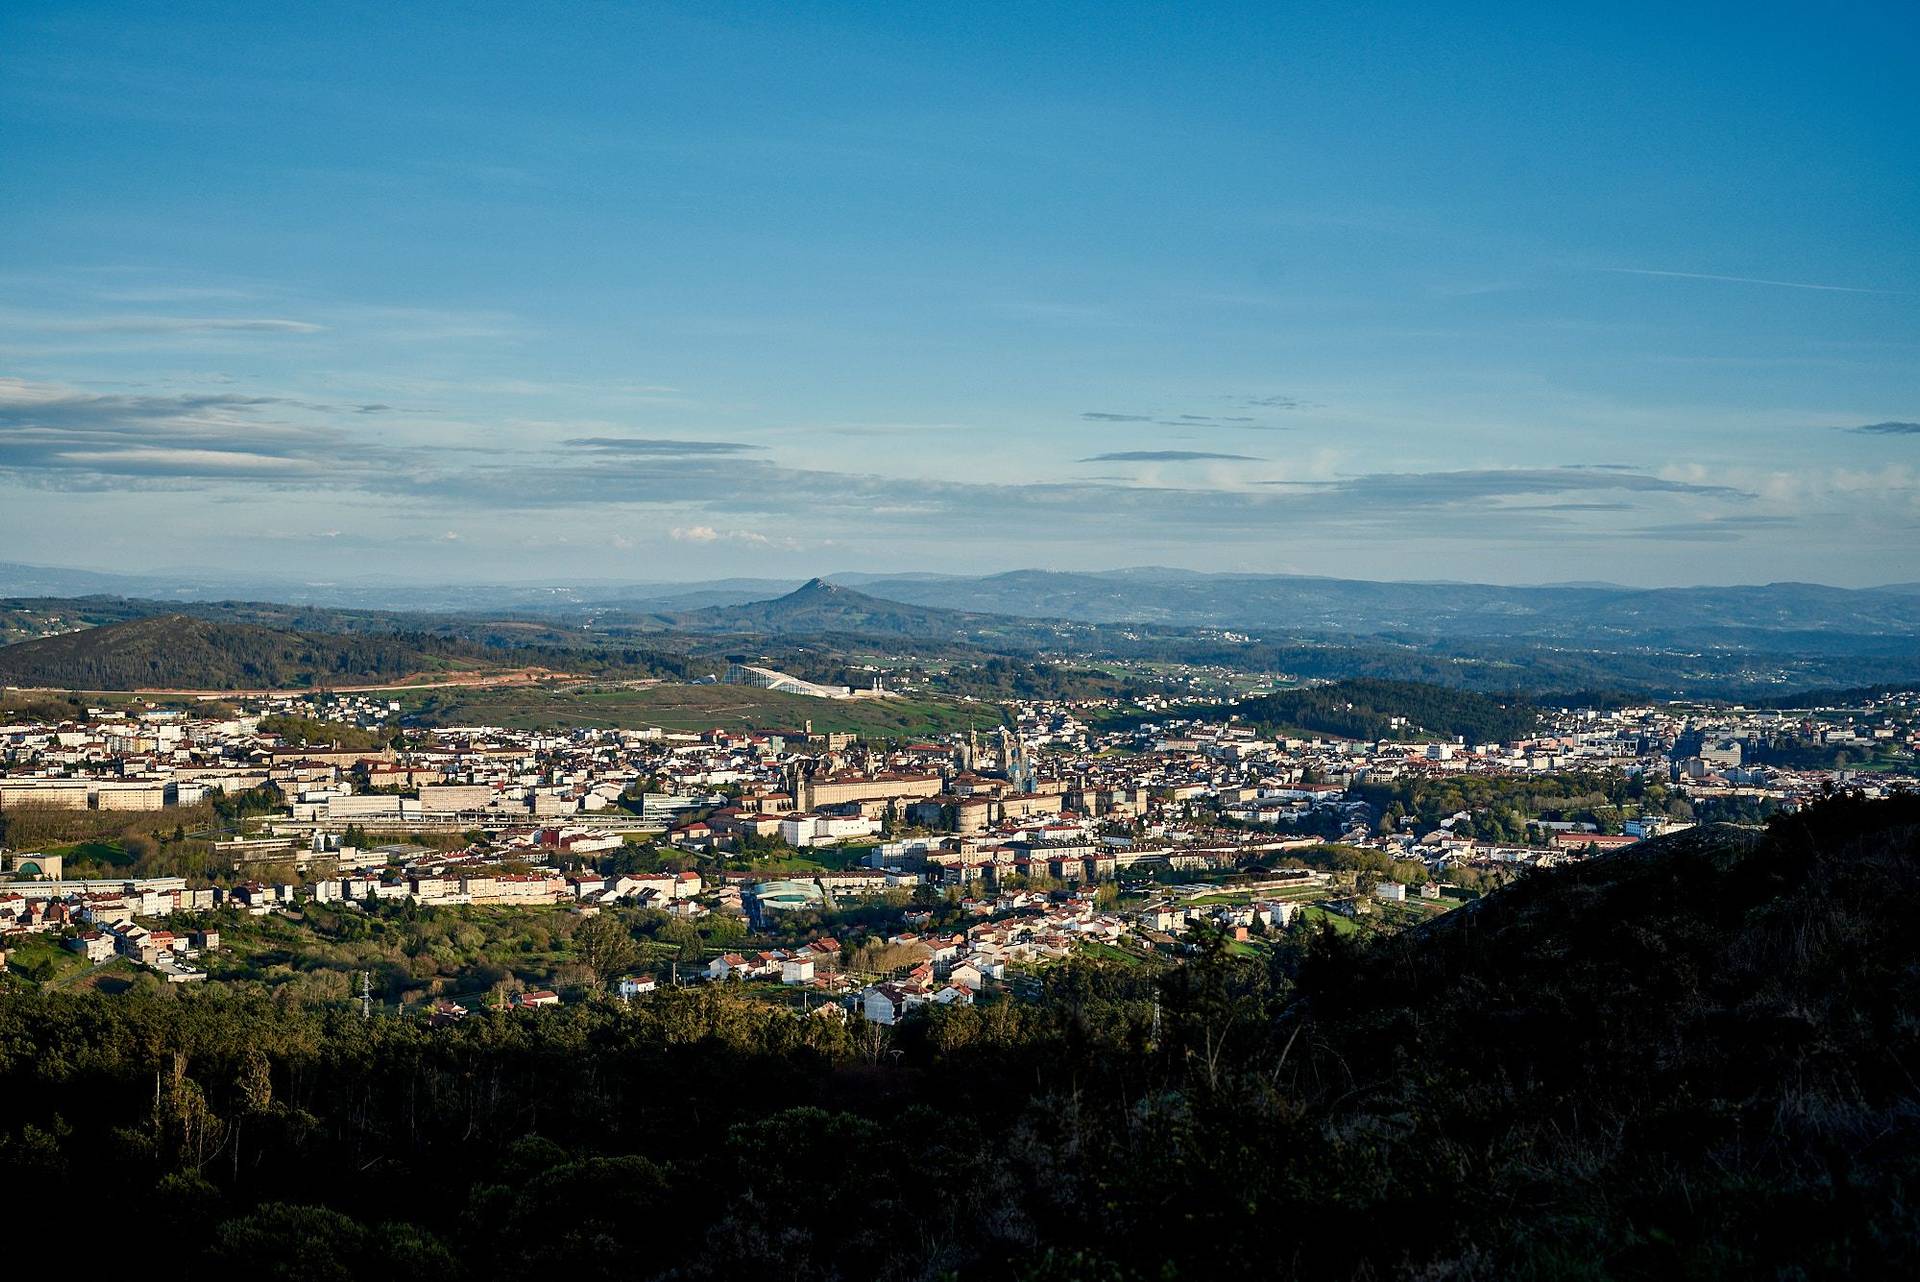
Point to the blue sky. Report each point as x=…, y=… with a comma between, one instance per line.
x=1506, y=293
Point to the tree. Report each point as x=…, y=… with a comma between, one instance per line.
x=605, y=947
x=282, y=1241
x=684, y=933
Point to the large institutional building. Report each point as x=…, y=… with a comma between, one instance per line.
x=740, y=674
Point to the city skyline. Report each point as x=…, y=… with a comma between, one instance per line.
x=1501, y=296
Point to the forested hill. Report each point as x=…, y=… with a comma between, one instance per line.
x=1694, y=1059
x=1844, y=697
x=818, y=607
x=1368, y=708
x=178, y=652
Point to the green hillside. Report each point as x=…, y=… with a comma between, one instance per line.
x=1372, y=708
x=178, y=652
x=818, y=607
x=1367, y=708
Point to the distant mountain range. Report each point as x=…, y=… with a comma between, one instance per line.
x=1734, y=641
x=1033, y=607
x=1802, y=617
x=1571, y=640
x=1591, y=614
x=380, y=592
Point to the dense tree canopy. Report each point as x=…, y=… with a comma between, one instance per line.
x=1367, y=708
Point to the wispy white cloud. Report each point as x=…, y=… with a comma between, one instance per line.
x=660, y=446
x=1167, y=456
x=1748, y=280
x=182, y=325
x=61, y=434
x=726, y=495
x=708, y=534
x=1432, y=489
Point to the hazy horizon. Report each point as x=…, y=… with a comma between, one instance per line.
x=843, y=573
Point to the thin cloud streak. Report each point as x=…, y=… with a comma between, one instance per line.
x=1167, y=456
x=1748, y=280
x=1479, y=484
x=662, y=446
x=185, y=325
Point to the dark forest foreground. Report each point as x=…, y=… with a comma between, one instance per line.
x=1696, y=1059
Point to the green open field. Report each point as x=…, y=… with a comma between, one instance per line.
x=1889, y=763
x=1285, y=893
x=1314, y=915
x=814, y=860
x=1103, y=951
x=692, y=708
x=42, y=960
x=110, y=853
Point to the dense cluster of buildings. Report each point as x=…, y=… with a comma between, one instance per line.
x=1049, y=803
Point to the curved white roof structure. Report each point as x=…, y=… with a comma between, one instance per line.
x=740, y=674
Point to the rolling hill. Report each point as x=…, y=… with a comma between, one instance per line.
x=1750, y=616
x=1370, y=708
x=1373, y=709
x=1691, y=1059
x=818, y=607
x=179, y=652
x=1759, y=618
x=1738, y=643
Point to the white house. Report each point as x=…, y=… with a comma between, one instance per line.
x=1275, y=913
x=796, y=970
x=96, y=946
x=731, y=964
x=967, y=975
x=887, y=1003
